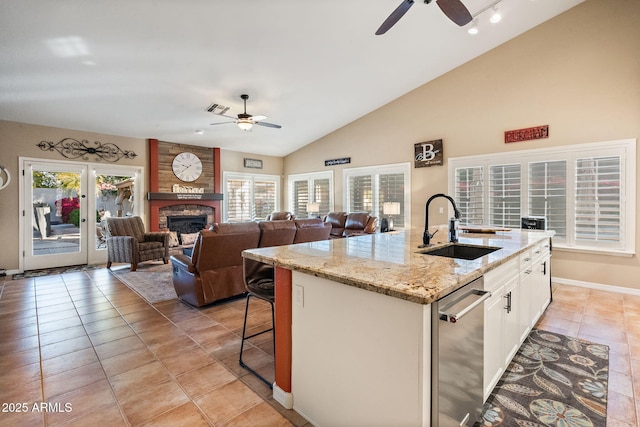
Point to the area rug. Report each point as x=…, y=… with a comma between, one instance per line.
x=152, y=281
x=55, y=270
x=553, y=380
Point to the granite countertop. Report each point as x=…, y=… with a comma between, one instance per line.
x=391, y=263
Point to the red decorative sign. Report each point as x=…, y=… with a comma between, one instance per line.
x=538, y=132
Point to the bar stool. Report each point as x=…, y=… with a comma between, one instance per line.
x=263, y=289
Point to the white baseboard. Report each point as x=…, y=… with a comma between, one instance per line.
x=282, y=397
x=597, y=286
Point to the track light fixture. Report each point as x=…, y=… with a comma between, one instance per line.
x=495, y=17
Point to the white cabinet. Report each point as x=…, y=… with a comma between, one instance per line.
x=541, y=275
x=519, y=294
x=511, y=313
x=499, y=326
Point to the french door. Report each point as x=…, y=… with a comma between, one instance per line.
x=64, y=209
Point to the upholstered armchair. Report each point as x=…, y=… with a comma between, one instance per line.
x=128, y=242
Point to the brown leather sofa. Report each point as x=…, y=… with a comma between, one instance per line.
x=351, y=224
x=277, y=216
x=215, y=269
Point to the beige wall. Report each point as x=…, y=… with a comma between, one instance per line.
x=20, y=140
x=579, y=73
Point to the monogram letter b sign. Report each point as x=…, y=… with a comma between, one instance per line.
x=428, y=153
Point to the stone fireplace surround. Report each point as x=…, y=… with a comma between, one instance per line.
x=188, y=210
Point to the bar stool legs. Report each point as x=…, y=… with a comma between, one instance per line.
x=244, y=337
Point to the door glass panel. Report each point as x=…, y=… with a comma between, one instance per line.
x=56, y=212
x=114, y=198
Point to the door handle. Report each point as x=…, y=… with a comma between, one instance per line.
x=83, y=220
x=453, y=318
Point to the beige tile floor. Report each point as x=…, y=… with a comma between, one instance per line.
x=87, y=341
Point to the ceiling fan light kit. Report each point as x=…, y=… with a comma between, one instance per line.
x=244, y=121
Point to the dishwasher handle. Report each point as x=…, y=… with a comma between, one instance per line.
x=453, y=318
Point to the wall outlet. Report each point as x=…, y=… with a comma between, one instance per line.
x=298, y=295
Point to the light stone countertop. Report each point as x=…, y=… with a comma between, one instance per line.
x=391, y=263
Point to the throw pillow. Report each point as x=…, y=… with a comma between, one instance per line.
x=173, y=239
x=188, y=238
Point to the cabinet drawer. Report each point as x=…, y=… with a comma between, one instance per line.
x=495, y=278
x=526, y=259
x=542, y=249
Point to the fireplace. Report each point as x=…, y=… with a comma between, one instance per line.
x=186, y=223
x=189, y=218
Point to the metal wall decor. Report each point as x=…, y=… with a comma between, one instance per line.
x=72, y=149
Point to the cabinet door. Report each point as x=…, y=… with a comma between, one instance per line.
x=511, y=313
x=543, y=283
x=493, y=340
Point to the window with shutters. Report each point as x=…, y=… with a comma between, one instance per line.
x=547, y=191
x=598, y=199
x=367, y=189
x=250, y=197
x=585, y=192
x=314, y=188
x=469, y=194
x=505, y=184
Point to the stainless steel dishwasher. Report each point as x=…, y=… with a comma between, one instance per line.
x=457, y=356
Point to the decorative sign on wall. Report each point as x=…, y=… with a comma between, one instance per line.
x=253, y=163
x=428, y=153
x=341, y=161
x=72, y=149
x=528, y=134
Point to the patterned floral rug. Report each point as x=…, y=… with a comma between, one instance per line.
x=553, y=380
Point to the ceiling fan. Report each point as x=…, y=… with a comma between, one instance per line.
x=246, y=121
x=454, y=9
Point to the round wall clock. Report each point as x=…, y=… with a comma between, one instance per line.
x=187, y=167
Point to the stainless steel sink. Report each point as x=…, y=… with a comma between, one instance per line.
x=460, y=251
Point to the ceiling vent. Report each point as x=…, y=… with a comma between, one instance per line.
x=217, y=109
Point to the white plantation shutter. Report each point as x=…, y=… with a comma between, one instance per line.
x=265, y=198
x=369, y=187
x=322, y=195
x=310, y=188
x=250, y=197
x=469, y=195
x=300, y=198
x=505, y=184
x=598, y=203
x=361, y=193
x=238, y=197
x=548, y=194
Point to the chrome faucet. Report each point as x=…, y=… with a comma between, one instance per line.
x=426, y=237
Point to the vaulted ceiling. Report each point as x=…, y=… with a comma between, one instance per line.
x=150, y=68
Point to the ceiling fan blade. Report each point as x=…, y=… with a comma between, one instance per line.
x=394, y=17
x=221, y=123
x=269, y=125
x=456, y=11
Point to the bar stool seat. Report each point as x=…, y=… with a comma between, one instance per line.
x=263, y=289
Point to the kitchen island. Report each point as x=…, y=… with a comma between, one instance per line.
x=353, y=321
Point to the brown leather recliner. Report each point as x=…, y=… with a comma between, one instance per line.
x=214, y=271
x=278, y=216
x=311, y=230
x=352, y=224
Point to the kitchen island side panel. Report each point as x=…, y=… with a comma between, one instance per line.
x=358, y=357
